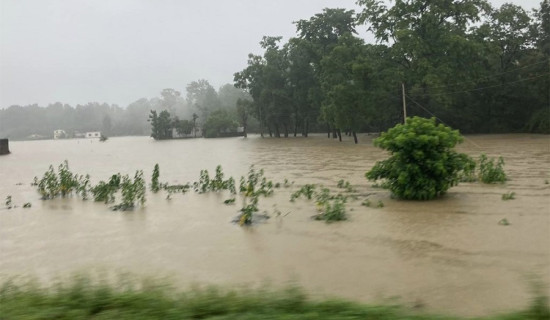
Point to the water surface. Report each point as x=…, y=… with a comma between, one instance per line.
x=448, y=255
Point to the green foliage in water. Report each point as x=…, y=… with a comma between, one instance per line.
x=306, y=190
x=63, y=183
x=133, y=192
x=509, y=196
x=333, y=211
x=229, y=201
x=251, y=187
x=155, y=185
x=343, y=184
x=422, y=164
x=206, y=184
x=105, y=191
x=8, y=202
x=491, y=170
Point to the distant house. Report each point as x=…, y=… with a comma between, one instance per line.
x=59, y=134
x=79, y=134
x=93, y=134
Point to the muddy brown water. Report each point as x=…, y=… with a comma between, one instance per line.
x=446, y=256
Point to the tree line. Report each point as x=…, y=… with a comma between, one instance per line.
x=200, y=103
x=477, y=68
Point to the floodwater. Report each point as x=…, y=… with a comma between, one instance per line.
x=449, y=255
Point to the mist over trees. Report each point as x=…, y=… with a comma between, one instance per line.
x=477, y=68
x=183, y=112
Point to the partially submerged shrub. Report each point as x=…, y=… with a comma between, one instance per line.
x=8, y=202
x=133, y=192
x=491, y=171
x=217, y=184
x=333, y=211
x=307, y=191
x=105, y=191
x=423, y=164
x=63, y=183
x=509, y=196
x=155, y=185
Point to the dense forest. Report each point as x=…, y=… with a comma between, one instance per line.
x=476, y=68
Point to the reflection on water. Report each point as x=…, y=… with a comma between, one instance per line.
x=449, y=255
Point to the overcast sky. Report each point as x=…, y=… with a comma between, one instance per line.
x=117, y=51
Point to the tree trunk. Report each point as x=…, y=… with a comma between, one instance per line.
x=277, y=133
x=354, y=136
x=244, y=130
x=286, y=130
x=295, y=129
x=328, y=131
x=339, y=135
x=307, y=128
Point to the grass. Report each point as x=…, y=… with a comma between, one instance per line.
x=84, y=298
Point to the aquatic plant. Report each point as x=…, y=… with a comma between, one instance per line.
x=27, y=205
x=380, y=204
x=366, y=203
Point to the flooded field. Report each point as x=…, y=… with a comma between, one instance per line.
x=449, y=255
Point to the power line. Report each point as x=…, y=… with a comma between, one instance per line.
x=432, y=114
x=483, y=88
x=490, y=76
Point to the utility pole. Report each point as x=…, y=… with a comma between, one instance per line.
x=404, y=103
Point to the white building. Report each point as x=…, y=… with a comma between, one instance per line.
x=93, y=134
x=59, y=134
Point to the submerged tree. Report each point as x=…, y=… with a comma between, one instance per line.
x=423, y=164
x=161, y=125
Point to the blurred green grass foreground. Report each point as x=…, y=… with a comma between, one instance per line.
x=83, y=297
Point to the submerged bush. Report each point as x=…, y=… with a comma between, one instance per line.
x=491, y=172
x=63, y=183
x=155, y=185
x=333, y=211
x=422, y=164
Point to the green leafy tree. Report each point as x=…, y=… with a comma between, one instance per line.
x=423, y=164
x=161, y=125
x=219, y=121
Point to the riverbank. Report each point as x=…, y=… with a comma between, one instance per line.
x=82, y=297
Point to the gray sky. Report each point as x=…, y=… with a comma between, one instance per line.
x=117, y=51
